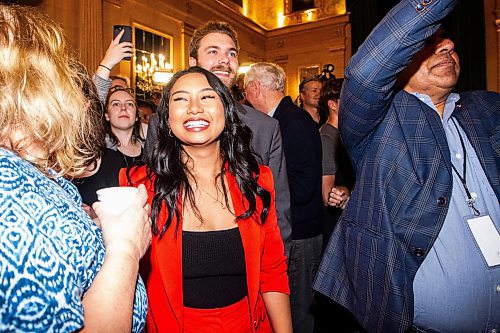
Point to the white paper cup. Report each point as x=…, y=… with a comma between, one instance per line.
x=116, y=199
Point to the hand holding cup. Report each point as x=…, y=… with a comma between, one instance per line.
x=124, y=216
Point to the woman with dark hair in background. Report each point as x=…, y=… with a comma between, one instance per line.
x=217, y=257
x=59, y=271
x=124, y=142
x=123, y=126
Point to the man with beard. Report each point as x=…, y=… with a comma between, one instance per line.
x=214, y=47
x=417, y=248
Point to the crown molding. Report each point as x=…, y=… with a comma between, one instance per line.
x=231, y=13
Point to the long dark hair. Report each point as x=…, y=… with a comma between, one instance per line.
x=172, y=175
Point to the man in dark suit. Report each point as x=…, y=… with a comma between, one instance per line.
x=214, y=47
x=417, y=248
x=264, y=86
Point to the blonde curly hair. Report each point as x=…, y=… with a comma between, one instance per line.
x=45, y=116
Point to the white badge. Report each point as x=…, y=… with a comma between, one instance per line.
x=487, y=238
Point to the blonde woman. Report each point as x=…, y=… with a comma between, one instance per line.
x=59, y=272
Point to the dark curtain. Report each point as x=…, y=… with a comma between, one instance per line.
x=465, y=24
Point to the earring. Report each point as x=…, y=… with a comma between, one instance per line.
x=170, y=132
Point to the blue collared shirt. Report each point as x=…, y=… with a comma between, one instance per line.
x=454, y=289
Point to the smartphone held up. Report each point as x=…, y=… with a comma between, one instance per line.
x=126, y=37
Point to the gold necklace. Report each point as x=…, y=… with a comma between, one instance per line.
x=216, y=199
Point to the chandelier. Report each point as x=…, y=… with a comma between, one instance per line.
x=152, y=73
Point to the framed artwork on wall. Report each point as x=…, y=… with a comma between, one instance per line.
x=308, y=71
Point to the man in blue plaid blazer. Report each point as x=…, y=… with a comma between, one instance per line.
x=403, y=256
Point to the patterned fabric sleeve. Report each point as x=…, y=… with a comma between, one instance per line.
x=371, y=74
x=40, y=284
x=103, y=86
x=50, y=252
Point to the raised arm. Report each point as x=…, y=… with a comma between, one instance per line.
x=371, y=74
x=114, y=54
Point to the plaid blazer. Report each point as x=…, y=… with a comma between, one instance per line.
x=403, y=171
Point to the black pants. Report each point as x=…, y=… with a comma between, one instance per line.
x=332, y=317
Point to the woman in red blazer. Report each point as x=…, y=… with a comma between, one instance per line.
x=217, y=257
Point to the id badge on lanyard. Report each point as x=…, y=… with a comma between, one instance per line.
x=481, y=225
x=487, y=238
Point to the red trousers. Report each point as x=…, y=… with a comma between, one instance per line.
x=234, y=318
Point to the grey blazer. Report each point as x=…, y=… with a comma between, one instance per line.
x=266, y=143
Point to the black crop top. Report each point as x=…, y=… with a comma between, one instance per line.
x=213, y=268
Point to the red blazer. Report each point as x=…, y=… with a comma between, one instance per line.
x=266, y=268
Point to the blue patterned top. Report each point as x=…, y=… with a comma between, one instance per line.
x=50, y=252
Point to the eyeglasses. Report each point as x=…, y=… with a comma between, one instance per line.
x=120, y=88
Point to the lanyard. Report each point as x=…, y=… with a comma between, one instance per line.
x=463, y=179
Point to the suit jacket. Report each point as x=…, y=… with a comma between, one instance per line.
x=302, y=146
x=266, y=268
x=266, y=143
x=403, y=171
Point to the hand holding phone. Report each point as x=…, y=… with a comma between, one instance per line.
x=126, y=36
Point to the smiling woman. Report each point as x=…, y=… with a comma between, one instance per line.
x=209, y=198
x=196, y=112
